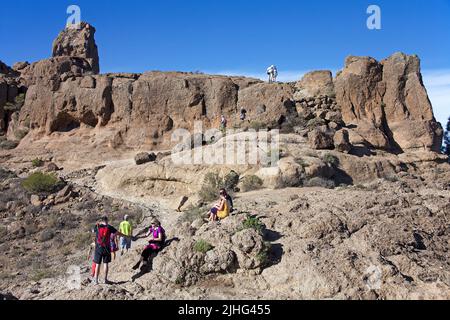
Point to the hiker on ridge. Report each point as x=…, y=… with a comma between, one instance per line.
x=272, y=72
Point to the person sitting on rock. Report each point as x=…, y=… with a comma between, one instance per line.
x=229, y=199
x=221, y=210
x=157, y=240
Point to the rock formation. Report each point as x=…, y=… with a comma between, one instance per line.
x=387, y=103
x=78, y=42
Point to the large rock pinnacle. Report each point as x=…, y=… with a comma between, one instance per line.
x=78, y=42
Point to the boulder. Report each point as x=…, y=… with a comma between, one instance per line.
x=145, y=157
x=342, y=141
x=321, y=138
x=36, y=200
x=387, y=103
x=249, y=245
x=314, y=84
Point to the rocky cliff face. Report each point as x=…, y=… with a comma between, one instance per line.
x=78, y=42
x=387, y=103
x=383, y=105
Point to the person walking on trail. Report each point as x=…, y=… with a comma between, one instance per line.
x=272, y=72
x=157, y=240
x=103, y=232
x=125, y=228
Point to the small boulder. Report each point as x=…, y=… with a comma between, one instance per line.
x=35, y=200
x=145, y=157
x=321, y=138
x=342, y=141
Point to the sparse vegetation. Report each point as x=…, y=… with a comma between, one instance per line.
x=83, y=240
x=40, y=182
x=256, y=125
x=211, y=185
x=194, y=213
x=316, y=122
x=302, y=162
x=263, y=256
x=250, y=183
x=42, y=274
x=37, y=163
x=230, y=181
x=320, y=182
x=8, y=145
x=253, y=223
x=331, y=159
x=202, y=246
x=213, y=182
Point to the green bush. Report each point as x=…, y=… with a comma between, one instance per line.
x=194, y=213
x=83, y=240
x=253, y=223
x=8, y=145
x=330, y=159
x=264, y=256
x=210, y=188
x=250, y=183
x=256, y=125
x=41, y=182
x=320, y=182
x=202, y=246
x=230, y=181
x=37, y=163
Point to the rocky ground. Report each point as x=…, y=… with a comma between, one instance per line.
x=282, y=243
x=356, y=207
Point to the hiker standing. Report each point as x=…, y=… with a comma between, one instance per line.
x=157, y=236
x=103, y=232
x=243, y=114
x=272, y=72
x=223, y=123
x=127, y=229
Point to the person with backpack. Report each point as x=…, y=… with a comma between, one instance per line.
x=103, y=233
x=157, y=240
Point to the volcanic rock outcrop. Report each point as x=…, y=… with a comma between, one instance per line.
x=387, y=103
x=382, y=105
x=78, y=42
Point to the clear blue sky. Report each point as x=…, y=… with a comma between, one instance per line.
x=234, y=36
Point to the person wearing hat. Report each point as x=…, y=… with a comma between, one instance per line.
x=127, y=229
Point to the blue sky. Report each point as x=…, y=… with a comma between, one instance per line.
x=240, y=36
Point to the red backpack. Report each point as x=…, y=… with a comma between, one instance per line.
x=103, y=236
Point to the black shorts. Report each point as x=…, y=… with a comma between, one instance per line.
x=102, y=255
